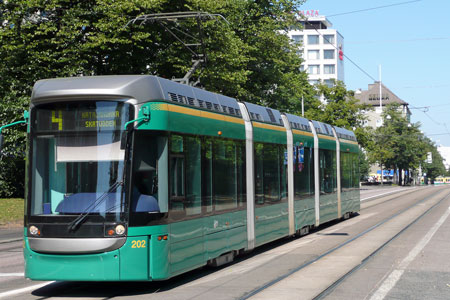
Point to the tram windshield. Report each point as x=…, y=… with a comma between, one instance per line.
x=76, y=160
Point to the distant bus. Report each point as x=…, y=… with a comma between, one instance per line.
x=141, y=178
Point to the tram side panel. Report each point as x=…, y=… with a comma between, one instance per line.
x=350, y=177
x=327, y=178
x=206, y=184
x=303, y=179
x=271, y=206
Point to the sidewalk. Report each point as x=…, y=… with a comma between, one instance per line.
x=10, y=234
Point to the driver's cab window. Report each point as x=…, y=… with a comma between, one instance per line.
x=148, y=159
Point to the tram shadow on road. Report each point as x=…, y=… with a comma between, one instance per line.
x=107, y=290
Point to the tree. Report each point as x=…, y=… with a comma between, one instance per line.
x=436, y=167
x=250, y=58
x=341, y=109
x=398, y=144
x=364, y=165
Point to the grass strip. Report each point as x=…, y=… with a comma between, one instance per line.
x=11, y=210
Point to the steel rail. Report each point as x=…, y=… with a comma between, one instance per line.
x=328, y=290
x=390, y=197
x=361, y=234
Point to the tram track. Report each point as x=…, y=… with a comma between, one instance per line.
x=171, y=288
x=336, y=283
x=389, y=197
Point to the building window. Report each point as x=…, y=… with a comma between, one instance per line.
x=313, y=54
x=314, y=69
x=329, y=82
x=302, y=68
x=313, y=82
x=328, y=69
x=328, y=54
x=297, y=38
x=376, y=97
x=313, y=39
x=328, y=39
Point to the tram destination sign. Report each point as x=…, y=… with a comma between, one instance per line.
x=81, y=119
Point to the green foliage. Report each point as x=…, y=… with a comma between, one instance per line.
x=401, y=145
x=364, y=165
x=341, y=109
x=436, y=168
x=249, y=58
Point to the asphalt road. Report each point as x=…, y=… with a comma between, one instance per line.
x=414, y=265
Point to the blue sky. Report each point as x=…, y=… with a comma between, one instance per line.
x=410, y=41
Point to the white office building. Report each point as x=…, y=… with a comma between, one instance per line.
x=445, y=153
x=322, y=50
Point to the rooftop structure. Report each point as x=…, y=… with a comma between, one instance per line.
x=371, y=96
x=321, y=48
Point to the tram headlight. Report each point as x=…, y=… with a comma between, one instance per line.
x=120, y=229
x=115, y=230
x=34, y=230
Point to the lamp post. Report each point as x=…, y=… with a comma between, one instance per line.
x=381, y=110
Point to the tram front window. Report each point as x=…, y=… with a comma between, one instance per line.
x=76, y=161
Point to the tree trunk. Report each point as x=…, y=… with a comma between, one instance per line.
x=381, y=166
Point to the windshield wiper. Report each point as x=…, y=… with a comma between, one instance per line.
x=80, y=219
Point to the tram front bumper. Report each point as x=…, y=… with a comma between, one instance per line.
x=125, y=263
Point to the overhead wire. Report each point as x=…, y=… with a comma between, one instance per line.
x=335, y=47
x=373, y=8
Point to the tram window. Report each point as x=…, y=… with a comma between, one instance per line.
x=206, y=175
x=302, y=168
x=241, y=173
x=193, y=176
x=355, y=170
x=225, y=175
x=346, y=171
x=207, y=171
x=145, y=174
x=259, y=176
x=327, y=169
x=270, y=174
x=177, y=176
x=176, y=144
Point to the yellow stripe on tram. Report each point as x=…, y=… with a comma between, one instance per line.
x=326, y=137
x=197, y=113
x=268, y=126
x=299, y=132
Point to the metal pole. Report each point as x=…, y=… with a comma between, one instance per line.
x=381, y=104
x=303, y=108
x=381, y=110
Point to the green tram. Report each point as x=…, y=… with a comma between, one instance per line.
x=140, y=178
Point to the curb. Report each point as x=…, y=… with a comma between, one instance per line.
x=11, y=240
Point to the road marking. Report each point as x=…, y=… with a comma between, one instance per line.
x=23, y=290
x=12, y=274
x=395, y=275
x=387, y=193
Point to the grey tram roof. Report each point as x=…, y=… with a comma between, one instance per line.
x=323, y=128
x=345, y=134
x=264, y=114
x=298, y=122
x=144, y=88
